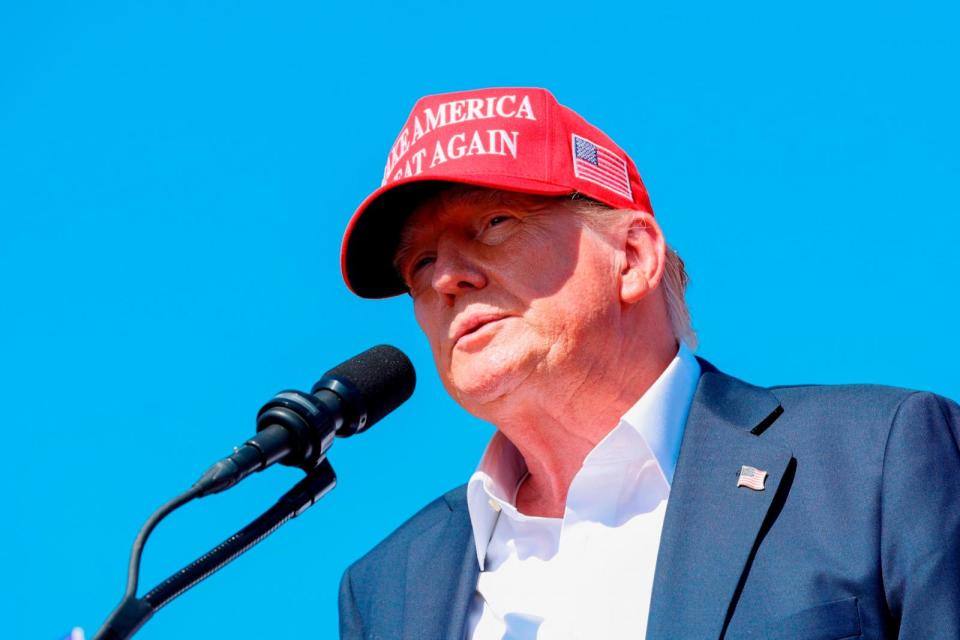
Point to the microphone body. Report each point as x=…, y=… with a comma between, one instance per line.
x=297, y=428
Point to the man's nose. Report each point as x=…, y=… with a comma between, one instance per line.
x=455, y=273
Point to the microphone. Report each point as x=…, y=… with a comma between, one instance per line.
x=297, y=428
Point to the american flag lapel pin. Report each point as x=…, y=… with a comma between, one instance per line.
x=751, y=478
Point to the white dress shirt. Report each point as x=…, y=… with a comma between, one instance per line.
x=590, y=573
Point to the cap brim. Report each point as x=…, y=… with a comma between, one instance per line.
x=370, y=241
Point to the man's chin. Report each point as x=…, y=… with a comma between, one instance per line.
x=477, y=387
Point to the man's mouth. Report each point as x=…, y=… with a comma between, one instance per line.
x=472, y=324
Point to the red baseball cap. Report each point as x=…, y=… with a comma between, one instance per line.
x=514, y=139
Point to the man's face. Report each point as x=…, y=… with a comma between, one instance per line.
x=515, y=293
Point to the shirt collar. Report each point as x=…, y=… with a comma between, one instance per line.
x=661, y=413
x=658, y=416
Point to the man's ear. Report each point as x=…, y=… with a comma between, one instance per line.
x=645, y=251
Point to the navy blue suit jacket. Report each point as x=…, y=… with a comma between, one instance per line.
x=856, y=535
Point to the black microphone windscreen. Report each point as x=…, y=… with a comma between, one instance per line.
x=383, y=375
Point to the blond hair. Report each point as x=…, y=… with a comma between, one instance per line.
x=674, y=281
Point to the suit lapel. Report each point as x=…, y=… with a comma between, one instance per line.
x=711, y=525
x=442, y=575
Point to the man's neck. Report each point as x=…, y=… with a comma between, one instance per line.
x=555, y=429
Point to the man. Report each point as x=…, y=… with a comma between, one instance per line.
x=631, y=489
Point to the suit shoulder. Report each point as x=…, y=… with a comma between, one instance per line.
x=861, y=400
x=872, y=390
x=394, y=547
x=857, y=415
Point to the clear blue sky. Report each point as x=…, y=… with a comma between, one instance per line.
x=175, y=179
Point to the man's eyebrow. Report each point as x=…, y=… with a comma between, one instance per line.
x=487, y=200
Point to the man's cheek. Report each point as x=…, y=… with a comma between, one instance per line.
x=435, y=337
x=427, y=324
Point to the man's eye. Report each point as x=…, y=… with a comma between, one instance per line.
x=495, y=220
x=421, y=263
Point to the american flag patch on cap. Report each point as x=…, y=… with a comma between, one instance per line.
x=600, y=166
x=751, y=477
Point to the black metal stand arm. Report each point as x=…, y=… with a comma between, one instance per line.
x=132, y=612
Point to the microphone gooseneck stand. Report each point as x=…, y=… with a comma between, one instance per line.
x=132, y=612
x=294, y=429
